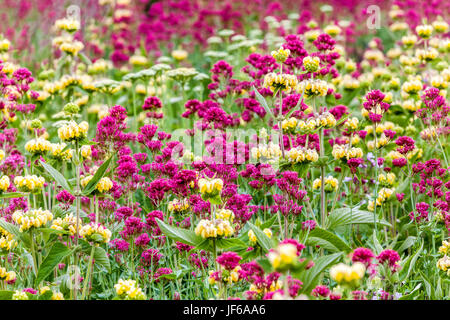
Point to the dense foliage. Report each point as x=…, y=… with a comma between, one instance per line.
x=224, y=150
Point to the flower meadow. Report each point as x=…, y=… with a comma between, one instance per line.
x=258, y=150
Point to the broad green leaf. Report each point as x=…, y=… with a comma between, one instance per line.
x=329, y=237
x=9, y=195
x=51, y=231
x=73, y=209
x=438, y=292
x=84, y=58
x=230, y=243
x=412, y=294
x=314, y=241
x=14, y=230
x=97, y=237
x=217, y=200
x=428, y=287
x=311, y=276
x=376, y=243
x=57, y=253
x=407, y=243
x=264, y=241
x=186, y=236
x=97, y=176
x=346, y=216
x=263, y=102
x=86, y=142
x=404, y=186
x=9, y=227
x=101, y=258
x=59, y=178
x=170, y=276
x=409, y=264
x=269, y=222
x=265, y=264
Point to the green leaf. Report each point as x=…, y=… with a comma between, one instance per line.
x=264, y=241
x=407, y=243
x=438, y=292
x=186, y=236
x=52, y=231
x=311, y=276
x=314, y=241
x=288, y=115
x=265, y=264
x=376, y=243
x=404, y=186
x=230, y=243
x=427, y=287
x=409, y=264
x=9, y=227
x=59, y=178
x=86, y=142
x=84, y=58
x=345, y=216
x=57, y=253
x=101, y=258
x=217, y=200
x=97, y=176
x=170, y=276
x=9, y=195
x=6, y=294
x=412, y=294
x=330, y=100
x=348, y=97
x=14, y=230
x=72, y=209
x=269, y=222
x=342, y=120
x=97, y=237
x=328, y=237
x=263, y=102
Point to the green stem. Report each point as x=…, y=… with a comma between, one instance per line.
x=133, y=89
x=323, y=208
x=33, y=252
x=375, y=194
x=77, y=194
x=443, y=151
x=96, y=210
x=280, y=115
x=88, y=275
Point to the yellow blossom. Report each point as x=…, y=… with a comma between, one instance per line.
x=31, y=183
x=95, y=233
x=179, y=55
x=4, y=183
x=32, y=218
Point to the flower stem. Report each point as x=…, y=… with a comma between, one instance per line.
x=33, y=252
x=88, y=275
x=323, y=208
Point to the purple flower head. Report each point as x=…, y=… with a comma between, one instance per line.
x=229, y=260
x=389, y=257
x=363, y=255
x=405, y=144
x=66, y=198
x=152, y=103
x=119, y=245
